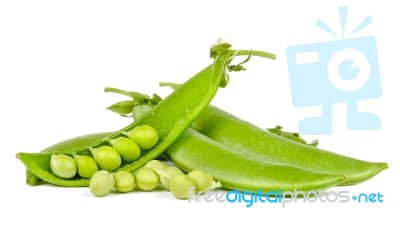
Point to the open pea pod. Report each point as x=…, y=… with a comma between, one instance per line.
x=72, y=144
x=170, y=118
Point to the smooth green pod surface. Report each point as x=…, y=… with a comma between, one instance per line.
x=238, y=171
x=250, y=139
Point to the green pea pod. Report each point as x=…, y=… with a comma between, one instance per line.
x=276, y=145
x=170, y=118
x=69, y=144
x=230, y=130
x=235, y=170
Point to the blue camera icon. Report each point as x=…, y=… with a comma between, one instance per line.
x=330, y=72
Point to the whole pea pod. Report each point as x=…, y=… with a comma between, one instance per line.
x=170, y=118
x=243, y=136
x=236, y=170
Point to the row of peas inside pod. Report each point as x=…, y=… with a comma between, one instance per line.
x=149, y=177
x=108, y=157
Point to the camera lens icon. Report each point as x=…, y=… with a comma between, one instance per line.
x=348, y=69
x=340, y=71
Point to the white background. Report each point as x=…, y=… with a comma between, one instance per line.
x=57, y=56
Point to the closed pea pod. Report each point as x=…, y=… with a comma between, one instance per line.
x=275, y=145
x=231, y=131
x=194, y=151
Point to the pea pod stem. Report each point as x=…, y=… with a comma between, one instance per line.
x=255, y=53
x=116, y=90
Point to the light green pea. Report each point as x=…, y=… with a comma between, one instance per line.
x=156, y=165
x=86, y=166
x=101, y=183
x=107, y=158
x=202, y=181
x=146, y=179
x=124, y=181
x=166, y=174
x=145, y=136
x=127, y=148
x=181, y=185
x=63, y=166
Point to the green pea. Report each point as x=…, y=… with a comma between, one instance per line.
x=181, y=185
x=86, y=166
x=166, y=174
x=146, y=179
x=101, y=183
x=63, y=166
x=107, y=158
x=145, y=136
x=156, y=165
x=202, y=181
x=124, y=181
x=127, y=148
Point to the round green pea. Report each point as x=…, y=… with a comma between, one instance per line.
x=166, y=174
x=156, y=165
x=87, y=166
x=63, y=166
x=107, y=158
x=145, y=136
x=101, y=183
x=127, y=148
x=181, y=185
x=202, y=181
x=124, y=181
x=146, y=179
